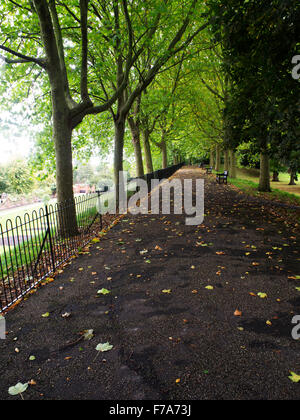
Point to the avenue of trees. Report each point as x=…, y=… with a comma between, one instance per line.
x=160, y=80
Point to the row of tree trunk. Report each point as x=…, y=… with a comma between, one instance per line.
x=229, y=160
x=230, y=165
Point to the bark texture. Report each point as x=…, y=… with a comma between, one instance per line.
x=264, y=177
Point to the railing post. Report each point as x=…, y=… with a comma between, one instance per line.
x=50, y=238
x=99, y=210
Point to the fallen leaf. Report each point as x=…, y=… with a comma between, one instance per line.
x=88, y=334
x=262, y=295
x=294, y=377
x=32, y=382
x=103, y=292
x=104, y=347
x=17, y=389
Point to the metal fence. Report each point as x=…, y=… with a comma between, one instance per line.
x=161, y=173
x=34, y=246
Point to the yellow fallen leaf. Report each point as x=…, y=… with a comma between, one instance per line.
x=294, y=377
x=167, y=291
x=262, y=295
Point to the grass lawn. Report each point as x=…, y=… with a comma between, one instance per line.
x=253, y=175
x=247, y=180
x=20, y=211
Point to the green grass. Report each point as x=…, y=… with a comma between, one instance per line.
x=248, y=179
x=20, y=211
x=24, y=254
x=248, y=174
x=14, y=257
x=251, y=188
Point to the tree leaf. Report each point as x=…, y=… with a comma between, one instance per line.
x=262, y=295
x=17, y=389
x=294, y=377
x=88, y=334
x=103, y=347
x=103, y=292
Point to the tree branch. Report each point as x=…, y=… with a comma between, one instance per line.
x=23, y=58
x=19, y=5
x=60, y=49
x=214, y=92
x=84, y=52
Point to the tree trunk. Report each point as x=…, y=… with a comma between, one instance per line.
x=218, y=159
x=232, y=170
x=264, y=178
x=62, y=135
x=226, y=160
x=212, y=157
x=275, y=176
x=136, y=141
x=164, y=152
x=147, y=152
x=292, y=178
x=118, y=154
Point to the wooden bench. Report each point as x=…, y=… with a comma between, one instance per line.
x=222, y=177
x=209, y=170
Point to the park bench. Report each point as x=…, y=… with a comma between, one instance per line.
x=222, y=177
x=209, y=170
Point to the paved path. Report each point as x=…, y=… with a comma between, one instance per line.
x=243, y=248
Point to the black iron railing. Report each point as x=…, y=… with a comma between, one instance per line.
x=161, y=173
x=34, y=246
